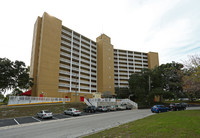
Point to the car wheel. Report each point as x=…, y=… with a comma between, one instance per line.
x=159, y=111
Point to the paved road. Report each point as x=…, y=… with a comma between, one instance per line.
x=72, y=127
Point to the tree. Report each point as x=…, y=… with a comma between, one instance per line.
x=122, y=93
x=1, y=96
x=6, y=74
x=14, y=75
x=164, y=80
x=139, y=85
x=171, y=74
x=191, y=79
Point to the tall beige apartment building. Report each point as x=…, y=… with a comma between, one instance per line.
x=65, y=63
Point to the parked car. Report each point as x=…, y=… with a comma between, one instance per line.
x=102, y=108
x=72, y=111
x=112, y=108
x=128, y=106
x=177, y=106
x=120, y=107
x=159, y=108
x=45, y=114
x=90, y=109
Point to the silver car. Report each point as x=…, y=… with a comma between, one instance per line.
x=45, y=114
x=72, y=111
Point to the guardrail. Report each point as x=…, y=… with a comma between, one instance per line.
x=23, y=100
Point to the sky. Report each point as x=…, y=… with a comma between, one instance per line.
x=169, y=27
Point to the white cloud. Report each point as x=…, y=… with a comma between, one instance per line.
x=169, y=27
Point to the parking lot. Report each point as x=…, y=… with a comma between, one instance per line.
x=32, y=119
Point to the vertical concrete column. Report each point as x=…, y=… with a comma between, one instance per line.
x=153, y=60
x=105, y=65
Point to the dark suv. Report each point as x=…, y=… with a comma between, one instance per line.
x=177, y=106
x=90, y=109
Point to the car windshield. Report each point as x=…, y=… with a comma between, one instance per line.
x=161, y=105
x=47, y=111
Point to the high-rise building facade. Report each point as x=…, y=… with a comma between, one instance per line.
x=65, y=63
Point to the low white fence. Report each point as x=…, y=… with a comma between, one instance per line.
x=95, y=102
x=15, y=100
x=124, y=101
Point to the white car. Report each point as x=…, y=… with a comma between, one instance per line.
x=72, y=111
x=45, y=114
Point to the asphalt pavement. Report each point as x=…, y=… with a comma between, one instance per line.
x=65, y=126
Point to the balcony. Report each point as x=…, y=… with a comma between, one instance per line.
x=93, y=54
x=77, y=69
x=84, y=71
x=86, y=51
x=83, y=76
x=85, y=41
x=122, y=65
x=124, y=82
x=86, y=56
x=94, y=89
x=82, y=65
x=85, y=46
x=84, y=82
x=137, y=70
x=66, y=43
x=139, y=55
x=74, y=57
x=64, y=78
x=123, y=61
x=126, y=78
x=94, y=50
x=65, y=66
x=64, y=85
x=94, y=59
x=64, y=31
x=93, y=83
x=76, y=47
x=76, y=37
x=85, y=88
x=85, y=61
x=61, y=90
x=77, y=42
x=121, y=69
x=123, y=73
x=122, y=57
x=66, y=49
x=94, y=64
x=64, y=72
x=137, y=58
x=65, y=37
x=65, y=60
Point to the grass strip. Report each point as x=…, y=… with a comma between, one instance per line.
x=178, y=124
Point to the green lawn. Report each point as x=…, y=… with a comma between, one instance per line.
x=175, y=124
